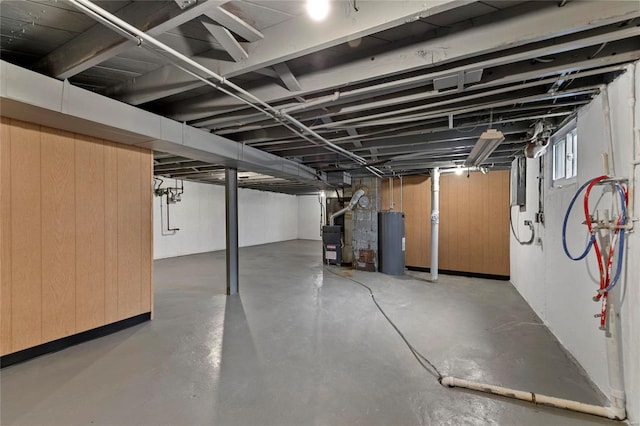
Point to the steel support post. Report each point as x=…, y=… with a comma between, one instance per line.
x=231, y=208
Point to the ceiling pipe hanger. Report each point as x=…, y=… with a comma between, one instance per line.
x=140, y=37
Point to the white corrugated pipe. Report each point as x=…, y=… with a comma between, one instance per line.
x=609, y=412
x=354, y=200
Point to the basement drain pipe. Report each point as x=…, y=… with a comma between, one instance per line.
x=354, y=200
x=435, y=221
x=614, y=413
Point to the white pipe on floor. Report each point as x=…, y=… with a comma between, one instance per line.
x=567, y=404
x=435, y=221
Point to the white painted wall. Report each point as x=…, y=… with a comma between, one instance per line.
x=263, y=217
x=560, y=290
x=308, y=217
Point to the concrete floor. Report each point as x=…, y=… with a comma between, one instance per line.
x=302, y=346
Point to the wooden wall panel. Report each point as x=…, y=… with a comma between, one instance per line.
x=58, y=234
x=26, y=237
x=5, y=236
x=449, y=237
x=474, y=221
x=498, y=224
x=111, y=232
x=75, y=231
x=416, y=202
x=90, y=230
x=129, y=228
x=146, y=234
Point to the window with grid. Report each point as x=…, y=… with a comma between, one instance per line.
x=565, y=156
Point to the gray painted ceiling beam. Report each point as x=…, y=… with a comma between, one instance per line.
x=284, y=137
x=234, y=24
x=287, y=77
x=100, y=43
x=29, y=96
x=543, y=24
x=626, y=50
x=449, y=138
x=277, y=46
x=463, y=102
x=416, y=118
x=227, y=41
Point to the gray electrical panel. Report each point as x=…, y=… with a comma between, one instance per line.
x=391, y=249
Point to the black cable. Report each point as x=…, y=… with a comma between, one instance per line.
x=429, y=366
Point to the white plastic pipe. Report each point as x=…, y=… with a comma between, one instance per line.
x=616, y=380
x=567, y=404
x=435, y=221
x=606, y=111
x=635, y=140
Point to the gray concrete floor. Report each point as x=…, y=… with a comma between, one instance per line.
x=302, y=346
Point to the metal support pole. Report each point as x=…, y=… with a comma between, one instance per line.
x=435, y=221
x=231, y=208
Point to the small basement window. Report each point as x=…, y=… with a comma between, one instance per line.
x=565, y=155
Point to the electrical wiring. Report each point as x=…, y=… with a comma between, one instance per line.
x=422, y=360
x=513, y=231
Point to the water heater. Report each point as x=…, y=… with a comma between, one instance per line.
x=391, y=246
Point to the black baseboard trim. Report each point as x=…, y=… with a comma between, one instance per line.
x=462, y=273
x=65, y=342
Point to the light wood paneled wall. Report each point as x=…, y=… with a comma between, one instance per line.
x=75, y=234
x=474, y=221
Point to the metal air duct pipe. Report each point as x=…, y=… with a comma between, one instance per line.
x=354, y=200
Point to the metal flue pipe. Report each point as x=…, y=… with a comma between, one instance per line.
x=354, y=200
x=122, y=27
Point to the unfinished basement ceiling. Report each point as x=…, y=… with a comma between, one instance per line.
x=175, y=167
x=405, y=85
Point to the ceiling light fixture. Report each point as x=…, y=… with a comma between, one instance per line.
x=458, y=171
x=318, y=9
x=487, y=143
